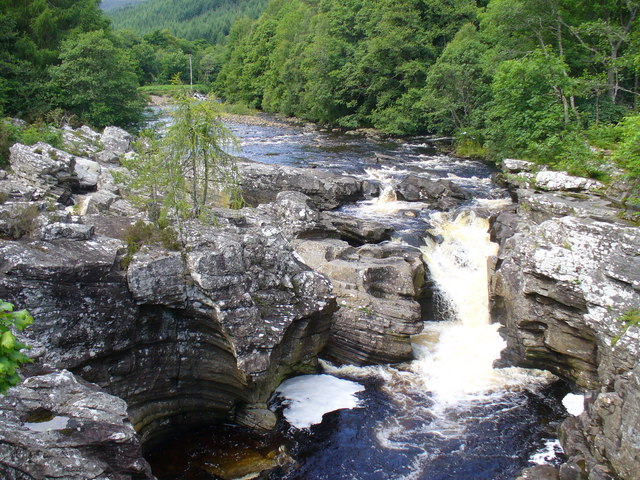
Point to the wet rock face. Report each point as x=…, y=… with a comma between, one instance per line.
x=244, y=275
x=377, y=285
x=561, y=286
x=564, y=283
x=55, y=426
x=439, y=194
x=297, y=217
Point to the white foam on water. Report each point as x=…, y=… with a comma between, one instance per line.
x=548, y=453
x=573, y=403
x=308, y=397
x=458, y=265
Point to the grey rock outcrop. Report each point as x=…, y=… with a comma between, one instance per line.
x=512, y=165
x=73, y=231
x=88, y=173
x=540, y=206
x=439, y=194
x=55, y=426
x=550, y=180
x=83, y=140
x=377, y=284
x=377, y=287
x=261, y=183
x=43, y=165
x=298, y=217
x=185, y=340
x=116, y=140
x=565, y=280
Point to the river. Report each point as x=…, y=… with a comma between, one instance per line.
x=446, y=415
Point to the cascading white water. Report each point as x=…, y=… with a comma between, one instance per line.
x=455, y=358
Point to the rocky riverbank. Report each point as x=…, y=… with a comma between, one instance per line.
x=204, y=334
x=197, y=336
x=567, y=291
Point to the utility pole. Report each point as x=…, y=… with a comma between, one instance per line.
x=190, y=73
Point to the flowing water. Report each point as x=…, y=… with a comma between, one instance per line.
x=446, y=415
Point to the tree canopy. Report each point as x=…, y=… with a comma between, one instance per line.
x=61, y=54
x=533, y=78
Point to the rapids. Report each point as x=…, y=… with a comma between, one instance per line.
x=446, y=415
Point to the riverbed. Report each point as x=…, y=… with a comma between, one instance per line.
x=446, y=415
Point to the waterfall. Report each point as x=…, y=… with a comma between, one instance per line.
x=455, y=357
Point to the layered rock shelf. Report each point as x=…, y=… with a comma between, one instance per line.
x=568, y=275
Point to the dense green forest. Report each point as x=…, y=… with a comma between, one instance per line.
x=190, y=19
x=540, y=79
x=61, y=60
x=555, y=81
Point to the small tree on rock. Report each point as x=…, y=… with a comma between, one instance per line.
x=199, y=163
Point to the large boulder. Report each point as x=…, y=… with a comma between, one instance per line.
x=186, y=339
x=540, y=206
x=261, y=183
x=84, y=140
x=298, y=217
x=116, y=140
x=378, y=288
x=88, y=173
x=43, y=165
x=566, y=290
x=549, y=180
x=377, y=284
x=439, y=194
x=56, y=426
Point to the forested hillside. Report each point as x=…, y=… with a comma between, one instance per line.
x=541, y=79
x=108, y=5
x=189, y=19
x=61, y=59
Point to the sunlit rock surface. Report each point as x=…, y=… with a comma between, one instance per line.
x=261, y=183
x=564, y=283
x=57, y=426
x=377, y=284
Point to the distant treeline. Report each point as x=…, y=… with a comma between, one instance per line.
x=191, y=19
x=540, y=79
x=108, y=5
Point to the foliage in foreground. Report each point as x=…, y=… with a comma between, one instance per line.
x=11, y=358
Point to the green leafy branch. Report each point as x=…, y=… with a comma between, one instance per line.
x=629, y=319
x=11, y=358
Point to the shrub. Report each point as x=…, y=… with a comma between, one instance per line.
x=11, y=358
x=27, y=135
x=142, y=233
